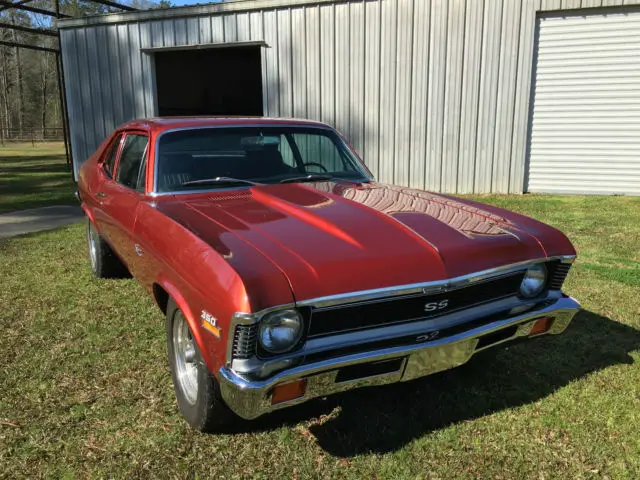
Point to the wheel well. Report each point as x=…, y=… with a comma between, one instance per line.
x=161, y=297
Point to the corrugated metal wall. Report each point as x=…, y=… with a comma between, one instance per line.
x=433, y=93
x=585, y=134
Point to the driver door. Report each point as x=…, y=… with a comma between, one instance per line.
x=120, y=197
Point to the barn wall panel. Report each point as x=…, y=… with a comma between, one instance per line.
x=433, y=93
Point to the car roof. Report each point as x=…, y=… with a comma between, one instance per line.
x=160, y=124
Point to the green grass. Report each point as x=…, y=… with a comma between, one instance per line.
x=34, y=176
x=85, y=389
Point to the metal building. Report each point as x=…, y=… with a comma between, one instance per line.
x=448, y=95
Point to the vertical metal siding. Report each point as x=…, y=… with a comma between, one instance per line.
x=585, y=134
x=433, y=93
x=327, y=64
x=387, y=92
x=505, y=96
x=435, y=99
x=419, y=95
x=403, y=92
x=371, y=119
x=342, y=62
x=470, y=95
x=312, y=61
x=356, y=74
x=454, y=61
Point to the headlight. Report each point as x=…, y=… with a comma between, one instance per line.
x=280, y=331
x=534, y=281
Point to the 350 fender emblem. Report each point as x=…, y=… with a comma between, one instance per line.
x=210, y=323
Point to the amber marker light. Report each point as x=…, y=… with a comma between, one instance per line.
x=289, y=391
x=542, y=325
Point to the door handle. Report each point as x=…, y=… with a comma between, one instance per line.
x=101, y=194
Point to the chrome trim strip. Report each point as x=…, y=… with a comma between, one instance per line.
x=201, y=190
x=275, y=124
x=251, y=398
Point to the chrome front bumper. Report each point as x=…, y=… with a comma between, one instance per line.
x=252, y=398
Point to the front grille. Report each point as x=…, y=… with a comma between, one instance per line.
x=244, y=341
x=397, y=310
x=557, y=273
x=405, y=340
x=416, y=339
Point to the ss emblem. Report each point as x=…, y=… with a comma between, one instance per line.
x=435, y=306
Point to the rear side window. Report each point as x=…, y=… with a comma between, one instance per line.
x=131, y=168
x=110, y=159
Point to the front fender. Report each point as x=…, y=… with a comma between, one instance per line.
x=193, y=319
x=88, y=213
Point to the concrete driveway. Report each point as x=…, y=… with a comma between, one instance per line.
x=38, y=219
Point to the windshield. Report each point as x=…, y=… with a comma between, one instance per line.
x=269, y=154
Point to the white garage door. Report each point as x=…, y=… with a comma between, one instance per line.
x=585, y=135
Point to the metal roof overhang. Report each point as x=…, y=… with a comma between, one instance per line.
x=190, y=11
x=204, y=46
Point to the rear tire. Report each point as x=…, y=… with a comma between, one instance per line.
x=104, y=263
x=197, y=390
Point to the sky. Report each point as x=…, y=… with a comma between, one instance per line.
x=179, y=3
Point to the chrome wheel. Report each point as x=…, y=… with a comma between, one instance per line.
x=93, y=247
x=184, y=351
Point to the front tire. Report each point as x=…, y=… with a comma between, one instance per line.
x=197, y=390
x=104, y=263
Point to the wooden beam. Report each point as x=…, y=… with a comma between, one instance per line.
x=30, y=47
x=37, y=31
x=109, y=3
x=22, y=2
x=27, y=8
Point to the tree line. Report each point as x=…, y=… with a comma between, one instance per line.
x=29, y=95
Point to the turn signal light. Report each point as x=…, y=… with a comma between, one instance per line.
x=289, y=391
x=542, y=325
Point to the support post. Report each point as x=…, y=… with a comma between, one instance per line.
x=64, y=113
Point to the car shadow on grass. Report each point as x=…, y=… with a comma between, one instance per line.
x=384, y=419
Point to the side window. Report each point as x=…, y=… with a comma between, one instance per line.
x=130, y=172
x=110, y=158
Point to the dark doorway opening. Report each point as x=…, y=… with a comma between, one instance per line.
x=213, y=81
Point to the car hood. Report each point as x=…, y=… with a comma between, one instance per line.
x=330, y=238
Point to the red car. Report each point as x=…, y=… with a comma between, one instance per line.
x=286, y=272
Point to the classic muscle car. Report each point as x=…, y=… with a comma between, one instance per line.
x=285, y=272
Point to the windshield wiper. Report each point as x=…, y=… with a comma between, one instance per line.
x=216, y=180
x=307, y=178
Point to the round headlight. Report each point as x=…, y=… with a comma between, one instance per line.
x=280, y=331
x=534, y=281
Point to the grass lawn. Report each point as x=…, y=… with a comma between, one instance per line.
x=85, y=389
x=34, y=176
